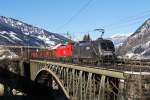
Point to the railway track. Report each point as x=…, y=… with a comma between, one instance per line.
x=131, y=66
x=134, y=62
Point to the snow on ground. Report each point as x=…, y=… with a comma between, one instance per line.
x=7, y=54
x=26, y=33
x=14, y=37
x=19, y=23
x=147, y=44
x=11, y=34
x=140, y=51
x=46, y=40
x=41, y=37
x=3, y=32
x=7, y=38
x=129, y=55
x=118, y=39
x=50, y=43
x=53, y=37
x=119, y=44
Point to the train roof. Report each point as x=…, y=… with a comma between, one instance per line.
x=105, y=40
x=99, y=39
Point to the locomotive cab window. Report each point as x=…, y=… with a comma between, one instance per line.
x=108, y=46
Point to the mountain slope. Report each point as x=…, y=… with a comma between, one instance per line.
x=14, y=32
x=138, y=44
x=118, y=39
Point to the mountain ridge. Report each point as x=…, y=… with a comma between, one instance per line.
x=137, y=45
x=12, y=31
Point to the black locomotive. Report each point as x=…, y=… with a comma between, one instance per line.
x=98, y=51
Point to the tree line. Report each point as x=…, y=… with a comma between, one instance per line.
x=87, y=37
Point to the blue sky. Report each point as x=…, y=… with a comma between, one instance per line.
x=115, y=16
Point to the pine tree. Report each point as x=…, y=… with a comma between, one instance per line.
x=86, y=37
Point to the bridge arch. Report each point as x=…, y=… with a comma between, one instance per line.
x=47, y=76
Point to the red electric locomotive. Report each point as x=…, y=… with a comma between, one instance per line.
x=64, y=52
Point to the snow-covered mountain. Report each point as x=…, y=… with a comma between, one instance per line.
x=118, y=39
x=138, y=44
x=15, y=32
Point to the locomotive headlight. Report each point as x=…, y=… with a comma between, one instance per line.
x=107, y=53
x=87, y=48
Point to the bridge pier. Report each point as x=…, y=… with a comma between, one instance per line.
x=24, y=67
x=21, y=67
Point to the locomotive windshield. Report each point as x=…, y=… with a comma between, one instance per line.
x=108, y=46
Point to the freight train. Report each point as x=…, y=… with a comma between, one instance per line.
x=96, y=52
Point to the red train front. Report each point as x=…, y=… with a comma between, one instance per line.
x=64, y=51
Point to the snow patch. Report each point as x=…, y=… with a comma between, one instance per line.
x=129, y=55
x=118, y=39
x=14, y=37
x=46, y=40
x=7, y=38
x=7, y=54
x=3, y=32
x=147, y=44
x=50, y=42
x=53, y=37
x=26, y=33
x=19, y=23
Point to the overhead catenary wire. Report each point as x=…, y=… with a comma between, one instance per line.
x=122, y=23
x=76, y=14
x=133, y=22
x=129, y=19
x=129, y=25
